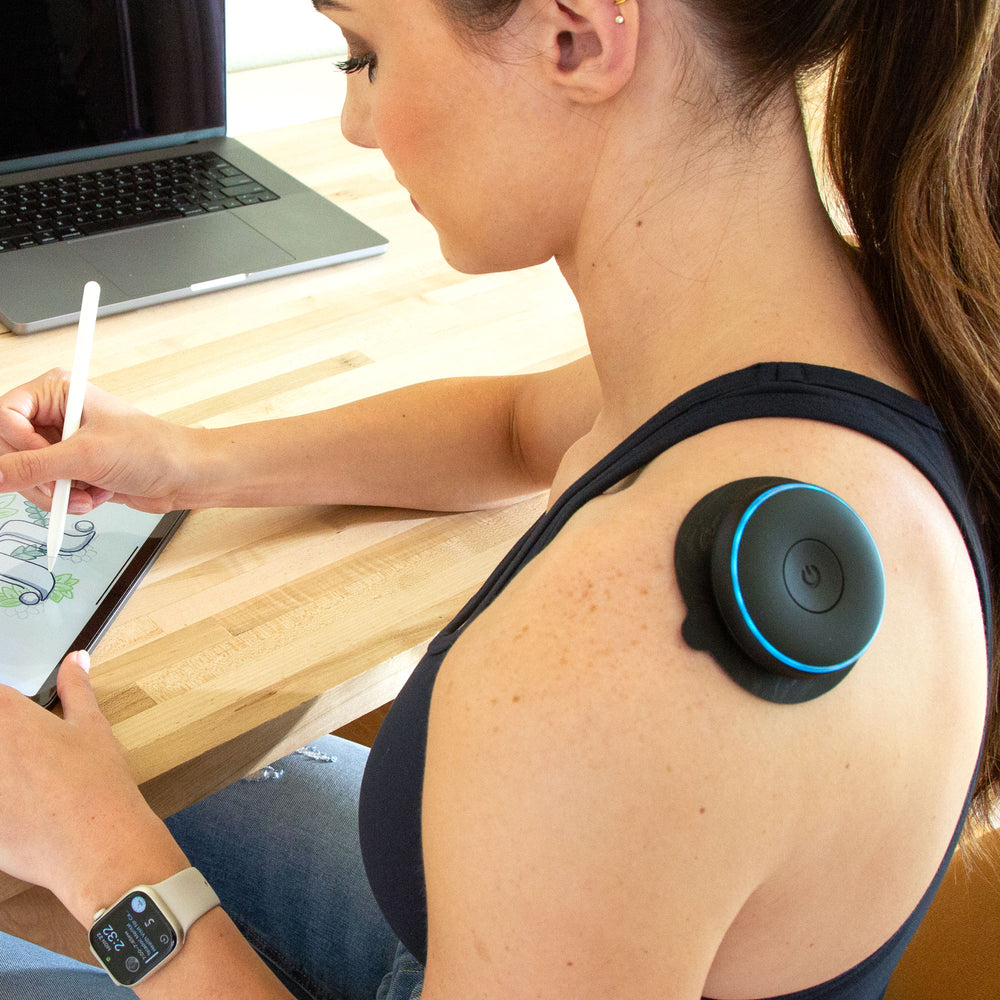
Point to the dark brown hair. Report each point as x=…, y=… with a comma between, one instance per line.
x=912, y=141
x=913, y=138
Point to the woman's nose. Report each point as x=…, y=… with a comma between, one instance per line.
x=356, y=121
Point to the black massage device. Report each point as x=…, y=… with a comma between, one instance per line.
x=783, y=584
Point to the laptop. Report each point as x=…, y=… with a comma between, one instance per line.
x=115, y=166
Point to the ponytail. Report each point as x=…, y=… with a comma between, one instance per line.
x=913, y=140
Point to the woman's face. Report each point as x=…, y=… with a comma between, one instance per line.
x=470, y=130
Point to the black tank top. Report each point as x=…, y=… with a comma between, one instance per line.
x=391, y=792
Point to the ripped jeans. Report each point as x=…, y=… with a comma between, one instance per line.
x=281, y=850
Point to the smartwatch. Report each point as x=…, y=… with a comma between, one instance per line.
x=146, y=927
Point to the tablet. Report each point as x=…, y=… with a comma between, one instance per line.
x=43, y=615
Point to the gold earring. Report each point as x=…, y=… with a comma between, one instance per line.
x=619, y=19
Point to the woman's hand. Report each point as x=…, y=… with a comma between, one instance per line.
x=73, y=819
x=119, y=453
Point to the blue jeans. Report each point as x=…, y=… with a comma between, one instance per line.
x=281, y=850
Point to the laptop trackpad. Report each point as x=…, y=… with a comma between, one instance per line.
x=174, y=255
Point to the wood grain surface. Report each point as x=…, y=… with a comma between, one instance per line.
x=258, y=630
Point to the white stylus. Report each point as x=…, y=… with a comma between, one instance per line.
x=74, y=411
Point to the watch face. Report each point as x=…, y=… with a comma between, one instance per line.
x=133, y=938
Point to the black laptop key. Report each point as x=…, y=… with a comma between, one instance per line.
x=122, y=220
x=236, y=190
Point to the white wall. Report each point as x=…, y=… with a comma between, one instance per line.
x=266, y=32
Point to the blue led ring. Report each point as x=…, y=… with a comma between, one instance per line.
x=741, y=604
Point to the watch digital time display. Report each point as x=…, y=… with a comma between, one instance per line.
x=133, y=938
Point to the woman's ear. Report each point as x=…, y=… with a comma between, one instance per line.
x=593, y=45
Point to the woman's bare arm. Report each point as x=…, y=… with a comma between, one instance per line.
x=447, y=445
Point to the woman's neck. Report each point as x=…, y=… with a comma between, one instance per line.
x=718, y=255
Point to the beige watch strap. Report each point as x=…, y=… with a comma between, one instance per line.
x=187, y=895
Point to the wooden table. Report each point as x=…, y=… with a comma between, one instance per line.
x=259, y=630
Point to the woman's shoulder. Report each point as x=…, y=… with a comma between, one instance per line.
x=576, y=699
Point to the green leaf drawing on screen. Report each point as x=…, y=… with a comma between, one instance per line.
x=10, y=597
x=28, y=553
x=36, y=514
x=65, y=582
x=8, y=505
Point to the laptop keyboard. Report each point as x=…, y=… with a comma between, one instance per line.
x=99, y=201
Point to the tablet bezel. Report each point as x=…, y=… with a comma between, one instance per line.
x=119, y=591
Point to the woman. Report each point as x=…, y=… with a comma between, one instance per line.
x=568, y=799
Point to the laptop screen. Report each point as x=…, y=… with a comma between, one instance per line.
x=94, y=77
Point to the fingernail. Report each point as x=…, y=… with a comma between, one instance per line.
x=83, y=660
x=46, y=491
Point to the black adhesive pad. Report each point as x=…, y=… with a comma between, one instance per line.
x=704, y=628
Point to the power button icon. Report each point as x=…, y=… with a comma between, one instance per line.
x=813, y=575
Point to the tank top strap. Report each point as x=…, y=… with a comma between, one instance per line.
x=773, y=389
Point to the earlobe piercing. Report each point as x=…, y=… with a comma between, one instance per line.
x=619, y=19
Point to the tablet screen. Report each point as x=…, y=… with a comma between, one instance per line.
x=45, y=615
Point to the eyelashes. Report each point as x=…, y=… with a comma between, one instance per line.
x=355, y=64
